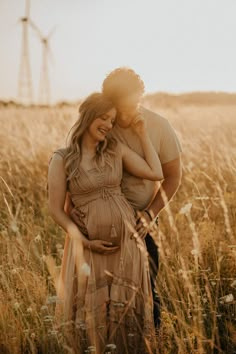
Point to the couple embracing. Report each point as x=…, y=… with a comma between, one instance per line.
x=117, y=156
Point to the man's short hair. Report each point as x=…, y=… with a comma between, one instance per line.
x=122, y=82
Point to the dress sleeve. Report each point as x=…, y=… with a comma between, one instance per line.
x=61, y=152
x=170, y=148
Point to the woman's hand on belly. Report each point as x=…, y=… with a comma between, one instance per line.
x=102, y=247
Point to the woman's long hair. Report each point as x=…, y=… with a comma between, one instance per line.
x=91, y=108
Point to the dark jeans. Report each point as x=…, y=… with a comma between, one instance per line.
x=153, y=266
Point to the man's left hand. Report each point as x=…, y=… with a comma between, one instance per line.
x=142, y=224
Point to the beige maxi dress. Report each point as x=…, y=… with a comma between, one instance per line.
x=107, y=303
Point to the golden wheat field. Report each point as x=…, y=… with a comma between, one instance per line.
x=196, y=235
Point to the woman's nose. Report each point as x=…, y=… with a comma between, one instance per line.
x=109, y=124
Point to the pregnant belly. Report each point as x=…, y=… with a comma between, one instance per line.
x=106, y=221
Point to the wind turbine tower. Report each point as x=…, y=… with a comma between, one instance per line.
x=44, y=82
x=25, y=89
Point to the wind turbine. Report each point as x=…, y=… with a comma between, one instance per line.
x=25, y=89
x=44, y=83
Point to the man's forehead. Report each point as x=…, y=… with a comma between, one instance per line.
x=129, y=99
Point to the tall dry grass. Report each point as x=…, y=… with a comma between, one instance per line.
x=196, y=235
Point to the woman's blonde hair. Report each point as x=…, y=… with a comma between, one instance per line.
x=94, y=106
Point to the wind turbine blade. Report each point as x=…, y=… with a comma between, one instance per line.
x=27, y=8
x=36, y=29
x=51, y=32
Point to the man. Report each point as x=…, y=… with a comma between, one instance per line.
x=125, y=88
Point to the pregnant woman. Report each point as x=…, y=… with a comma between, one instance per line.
x=105, y=283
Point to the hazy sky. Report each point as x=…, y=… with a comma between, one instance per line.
x=175, y=45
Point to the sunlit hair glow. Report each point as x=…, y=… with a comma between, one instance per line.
x=122, y=83
x=94, y=106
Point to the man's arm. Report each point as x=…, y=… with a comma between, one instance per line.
x=172, y=172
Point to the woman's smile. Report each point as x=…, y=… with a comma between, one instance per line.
x=102, y=125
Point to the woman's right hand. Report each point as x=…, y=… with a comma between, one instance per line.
x=100, y=246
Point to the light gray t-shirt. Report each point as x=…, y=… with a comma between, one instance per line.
x=140, y=192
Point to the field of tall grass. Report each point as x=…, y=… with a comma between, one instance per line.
x=196, y=235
